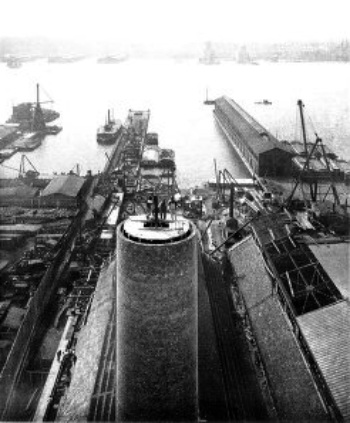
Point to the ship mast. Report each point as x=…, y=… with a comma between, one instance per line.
x=38, y=123
x=37, y=94
x=301, y=105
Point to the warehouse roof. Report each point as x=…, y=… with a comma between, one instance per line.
x=334, y=258
x=327, y=334
x=68, y=185
x=291, y=384
x=257, y=138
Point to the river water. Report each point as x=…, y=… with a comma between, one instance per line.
x=174, y=92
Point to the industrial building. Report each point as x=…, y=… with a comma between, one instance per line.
x=260, y=151
x=62, y=191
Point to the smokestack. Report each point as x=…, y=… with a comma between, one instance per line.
x=157, y=323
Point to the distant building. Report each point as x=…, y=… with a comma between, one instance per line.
x=243, y=55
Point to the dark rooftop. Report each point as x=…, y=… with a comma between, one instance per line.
x=68, y=185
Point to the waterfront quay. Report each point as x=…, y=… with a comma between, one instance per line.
x=201, y=304
x=67, y=285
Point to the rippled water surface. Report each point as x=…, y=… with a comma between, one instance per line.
x=174, y=92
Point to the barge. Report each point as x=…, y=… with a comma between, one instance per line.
x=31, y=116
x=27, y=127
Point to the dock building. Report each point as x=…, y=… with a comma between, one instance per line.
x=62, y=191
x=260, y=151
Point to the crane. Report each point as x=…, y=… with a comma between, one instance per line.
x=314, y=183
x=33, y=172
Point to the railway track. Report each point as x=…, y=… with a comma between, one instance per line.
x=103, y=402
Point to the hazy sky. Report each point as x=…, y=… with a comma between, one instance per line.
x=178, y=21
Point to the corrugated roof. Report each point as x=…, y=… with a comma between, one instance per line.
x=326, y=331
x=258, y=139
x=292, y=387
x=335, y=259
x=68, y=185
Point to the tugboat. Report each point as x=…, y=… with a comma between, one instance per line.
x=110, y=131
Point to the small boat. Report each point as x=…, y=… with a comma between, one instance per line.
x=207, y=101
x=264, y=102
x=28, y=142
x=64, y=59
x=52, y=129
x=110, y=131
x=112, y=59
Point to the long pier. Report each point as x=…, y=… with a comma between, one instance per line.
x=259, y=150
